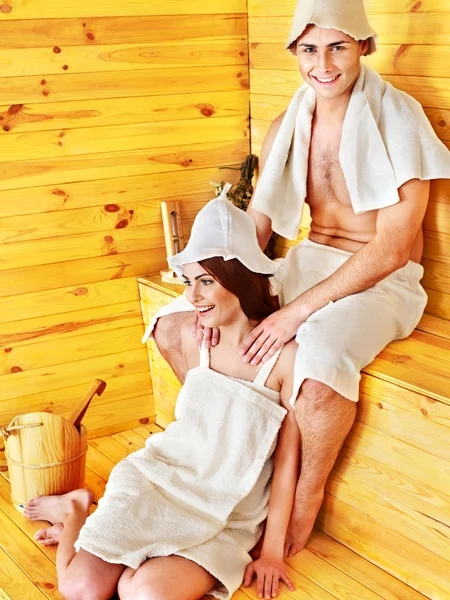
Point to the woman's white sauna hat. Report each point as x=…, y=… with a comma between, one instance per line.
x=222, y=229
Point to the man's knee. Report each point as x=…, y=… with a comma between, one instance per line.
x=167, y=334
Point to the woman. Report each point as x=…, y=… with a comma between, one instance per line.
x=179, y=517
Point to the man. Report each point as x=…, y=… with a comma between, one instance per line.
x=361, y=154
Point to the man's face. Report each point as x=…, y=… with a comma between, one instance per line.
x=329, y=61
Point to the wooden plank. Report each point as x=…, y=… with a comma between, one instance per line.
x=122, y=111
x=80, y=86
x=429, y=91
x=46, y=354
x=60, y=171
x=435, y=326
x=99, y=463
x=65, y=9
x=14, y=583
x=29, y=558
x=266, y=8
x=57, y=248
x=372, y=577
x=18, y=385
x=40, y=33
x=330, y=578
x=413, y=428
x=67, y=299
x=124, y=57
x=111, y=429
x=423, y=571
x=110, y=448
x=408, y=522
x=393, y=28
x=419, y=405
x=82, y=141
x=114, y=191
x=391, y=485
x=81, y=272
x=419, y=466
x=51, y=328
x=130, y=440
x=438, y=304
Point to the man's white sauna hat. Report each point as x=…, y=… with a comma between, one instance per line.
x=222, y=229
x=345, y=15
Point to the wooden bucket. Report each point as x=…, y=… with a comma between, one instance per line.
x=46, y=455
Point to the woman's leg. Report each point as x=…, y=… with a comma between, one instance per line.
x=165, y=578
x=81, y=576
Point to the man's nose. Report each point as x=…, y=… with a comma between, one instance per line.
x=324, y=61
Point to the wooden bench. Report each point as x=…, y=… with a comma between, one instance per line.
x=383, y=531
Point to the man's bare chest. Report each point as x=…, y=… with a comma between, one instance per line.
x=326, y=182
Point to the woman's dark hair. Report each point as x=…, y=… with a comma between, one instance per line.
x=252, y=289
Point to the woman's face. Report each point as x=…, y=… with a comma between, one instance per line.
x=214, y=305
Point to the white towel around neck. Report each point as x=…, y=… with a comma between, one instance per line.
x=386, y=141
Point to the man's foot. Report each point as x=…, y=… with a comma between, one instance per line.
x=49, y=535
x=302, y=522
x=55, y=509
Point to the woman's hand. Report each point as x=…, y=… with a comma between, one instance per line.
x=210, y=334
x=269, y=570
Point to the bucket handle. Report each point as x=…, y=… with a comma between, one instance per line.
x=6, y=431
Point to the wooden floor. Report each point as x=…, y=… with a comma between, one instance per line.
x=325, y=570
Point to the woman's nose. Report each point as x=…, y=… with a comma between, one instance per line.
x=193, y=293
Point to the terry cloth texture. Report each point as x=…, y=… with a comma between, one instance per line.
x=220, y=229
x=201, y=488
x=345, y=15
x=386, y=141
x=340, y=339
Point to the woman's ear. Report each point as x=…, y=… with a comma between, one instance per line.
x=363, y=47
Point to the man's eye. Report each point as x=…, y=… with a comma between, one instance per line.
x=338, y=48
x=309, y=50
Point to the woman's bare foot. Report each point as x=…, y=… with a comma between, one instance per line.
x=55, y=509
x=49, y=535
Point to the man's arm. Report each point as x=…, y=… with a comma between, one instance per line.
x=397, y=229
x=263, y=222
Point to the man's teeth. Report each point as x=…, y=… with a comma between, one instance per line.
x=203, y=309
x=327, y=80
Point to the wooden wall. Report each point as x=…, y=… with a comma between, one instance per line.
x=413, y=54
x=105, y=109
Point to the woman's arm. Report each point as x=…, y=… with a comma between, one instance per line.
x=270, y=567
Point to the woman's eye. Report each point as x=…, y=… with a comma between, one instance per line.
x=186, y=282
x=207, y=281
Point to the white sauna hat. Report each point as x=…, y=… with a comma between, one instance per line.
x=222, y=229
x=345, y=15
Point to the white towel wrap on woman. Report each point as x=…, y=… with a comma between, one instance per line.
x=200, y=489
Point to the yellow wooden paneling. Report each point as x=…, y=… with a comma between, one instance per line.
x=394, y=28
x=59, y=33
x=18, y=385
x=80, y=347
x=14, y=582
x=113, y=191
x=123, y=57
x=85, y=8
x=121, y=111
x=67, y=299
x=80, y=272
x=357, y=530
x=124, y=84
x=267, y=8
x=121, y=164
x=57, y=144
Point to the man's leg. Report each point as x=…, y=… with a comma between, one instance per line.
x=167, y=336
x=324, y=418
